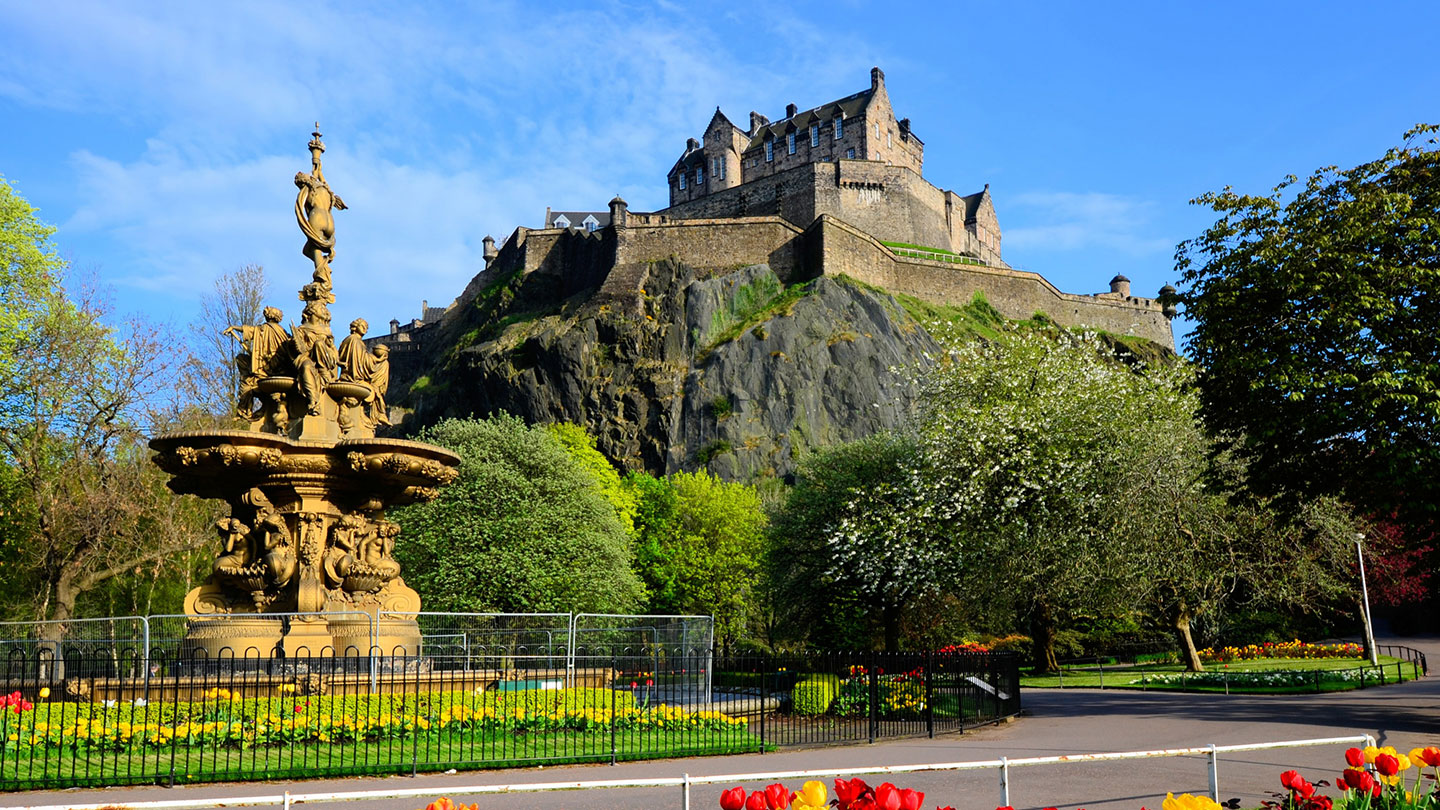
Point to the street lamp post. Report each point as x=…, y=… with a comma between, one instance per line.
x=1365, y=595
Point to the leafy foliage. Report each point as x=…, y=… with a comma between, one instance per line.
x=1318, y=330
x=700, y=541
x=88, y=505
x=525, y=528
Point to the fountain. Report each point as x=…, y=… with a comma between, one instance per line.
x=306, y=565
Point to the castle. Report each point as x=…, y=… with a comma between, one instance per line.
x=836, y=189
x=850, y=158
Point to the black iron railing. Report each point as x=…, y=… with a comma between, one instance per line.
x=120, y=717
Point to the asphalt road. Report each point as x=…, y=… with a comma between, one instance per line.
x=1057, y=722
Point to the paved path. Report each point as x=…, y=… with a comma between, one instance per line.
x=1058, y=722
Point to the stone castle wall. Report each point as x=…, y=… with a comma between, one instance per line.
x=891, y=202
x=844, y=249
x=564, y=262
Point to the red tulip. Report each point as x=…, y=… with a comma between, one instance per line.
x=777, y=796
x=1359, y=780
x=1320, y=803
x=849, y=791
x=1289, y=778
x=887, y=797
x=756, y=801
x=1355, y=757
x=1430, y=755
x=1386, y=764
x=732, y=799
x=910, y=799
x=1008, y=807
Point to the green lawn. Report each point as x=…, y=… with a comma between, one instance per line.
x=63, y=768
x=1268, y=676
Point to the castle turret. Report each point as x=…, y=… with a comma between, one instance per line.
x=1120, y=285
x=619, y=212
x=490, y=252
x=1167, y=301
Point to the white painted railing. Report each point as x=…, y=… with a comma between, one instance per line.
x=1002, y=766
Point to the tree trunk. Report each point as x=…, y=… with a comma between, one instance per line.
x=890, y=618
x=1042, y=640
x=1180, y=622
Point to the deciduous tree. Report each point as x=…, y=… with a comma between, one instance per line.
x=524, y=528
x=1317, y=330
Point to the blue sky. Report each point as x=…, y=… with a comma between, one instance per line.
x=161, y=138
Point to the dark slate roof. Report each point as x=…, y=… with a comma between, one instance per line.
x=578, y=217
x=850, y=107
x=972, y=202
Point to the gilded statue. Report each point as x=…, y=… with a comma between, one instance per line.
x=315, y=357
x=369, y=366
x=261, y=355
x=356, y=362
x=380, y=382
x=312, y=212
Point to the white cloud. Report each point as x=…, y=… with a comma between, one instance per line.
x=1071, y=221
x=439, y=130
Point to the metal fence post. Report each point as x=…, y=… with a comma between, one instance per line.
x=1004, y=782
x=1214, y=774
x=930, y=693
x=873, y=691
x=685, y=793
x=613, y=673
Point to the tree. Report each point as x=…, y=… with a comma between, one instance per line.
x=1318, y=328
x=72, y=389
x=524, y=528
x=581, y=446
x=704, y=544
x=844, y=552
x=237, y=298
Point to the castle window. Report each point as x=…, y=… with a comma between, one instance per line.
x=682, y=181
x=790, y=143
x=560, y=222
x=849, y=153
x=814, y=134
x=840, y=128
x=887, y=140
x=769, y=150
x=699, y=175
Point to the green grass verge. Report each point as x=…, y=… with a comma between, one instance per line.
x=1244, y=677
x=460, y=750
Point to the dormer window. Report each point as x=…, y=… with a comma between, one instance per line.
x=561, y=222
x=790, y=143
x=682, y=181
x=699, y=175
x=814, y=134
x=591, y=223
x=839, y=127
x=769, y=150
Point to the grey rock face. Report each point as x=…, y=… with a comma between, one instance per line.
x=731, y=373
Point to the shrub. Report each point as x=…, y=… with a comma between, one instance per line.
x=815, y=694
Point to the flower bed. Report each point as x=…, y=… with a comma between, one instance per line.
x=226, y=720
x=1278, y=679
x=1280, y=649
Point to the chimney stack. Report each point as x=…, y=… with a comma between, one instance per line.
x=877, y=78
x=790, y=110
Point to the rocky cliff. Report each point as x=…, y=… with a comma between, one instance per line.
x=733, y=372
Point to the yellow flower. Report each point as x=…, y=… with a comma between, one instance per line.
x=1186, y=801
x=44, y=692
x=811, y=797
